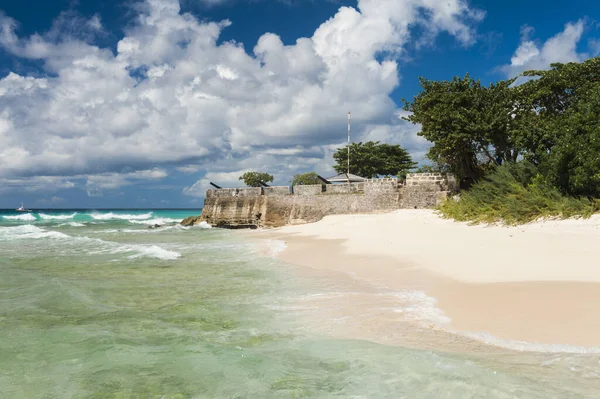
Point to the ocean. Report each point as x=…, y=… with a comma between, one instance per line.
x=94, y=304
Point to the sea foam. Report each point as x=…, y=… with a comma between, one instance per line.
x=27, y=231
x=420, y=307
x=56, y=217
x=154, y=221
x=203, y=225
x=523, y=346
x=87, y=244
x=153, y=251
x=26, y=217
x=120, y=216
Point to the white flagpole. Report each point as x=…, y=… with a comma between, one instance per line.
x=348, y=146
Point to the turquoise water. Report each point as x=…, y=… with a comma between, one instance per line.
x=93, y=304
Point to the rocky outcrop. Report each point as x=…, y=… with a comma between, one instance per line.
x=192, y=220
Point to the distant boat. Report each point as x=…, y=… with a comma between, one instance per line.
x=22, y=209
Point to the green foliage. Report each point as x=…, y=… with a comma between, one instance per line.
x=372, y=159
x=550, y=121
x=306, y=179
x=557, y=120
x=515, y=193
x=468, y=123
x=254, y=179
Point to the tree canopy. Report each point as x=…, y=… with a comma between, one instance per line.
x=373, y=159
x=254, y=179
x=550, y=120
x=302, y=179
x=468, y=123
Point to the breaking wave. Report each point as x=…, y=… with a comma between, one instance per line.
x=26, y=217
x=27, y=231
x=120, y=216
x=203, y=225
x=57, y=217
x=72, y=224
x=154, y=221
x=90, y=245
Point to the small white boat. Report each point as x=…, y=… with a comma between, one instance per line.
x=22, y=209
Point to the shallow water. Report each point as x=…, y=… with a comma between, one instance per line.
x=95, y=305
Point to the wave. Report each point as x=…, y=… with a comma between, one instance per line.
x=419, y=307
x=27, y=231
x=154, y=221
x=146, y=230
x=203, y=225
x=153, y=251
x=72, y=224
x=26, y=217
x=56, y=217
x=523, y=346
x=120, y=216
x=274, y=247
x=87, y=244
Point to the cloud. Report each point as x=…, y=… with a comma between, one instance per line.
x=594, y=46
x=189, y=168
x=51, y=201
x=95, y=184
x=562, y=48
x=36, y=183
x=171, y=96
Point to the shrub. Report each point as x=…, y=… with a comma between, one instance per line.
x=515, y=193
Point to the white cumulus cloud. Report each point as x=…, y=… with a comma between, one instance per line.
x=560, y=48
x=172, y=96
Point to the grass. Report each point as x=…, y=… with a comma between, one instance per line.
x=516, y=194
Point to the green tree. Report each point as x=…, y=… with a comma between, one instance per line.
x=468, y=123
x=372, y=159
x=557, y=117
x=254, y=179
x=306, y=179
x=573, y=162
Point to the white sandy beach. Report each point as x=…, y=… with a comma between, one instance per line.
x=538, y=283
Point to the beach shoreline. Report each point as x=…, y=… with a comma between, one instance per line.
x=532, y=287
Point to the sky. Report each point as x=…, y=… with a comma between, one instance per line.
x=140, y=104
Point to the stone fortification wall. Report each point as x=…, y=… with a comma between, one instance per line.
x=278, y=190
x=426, y=190
x=276, y=206
x=379, y=186
x=443, y=181
x=275, y=211
x=348, y=188
x=312, y=189
x=234, y=192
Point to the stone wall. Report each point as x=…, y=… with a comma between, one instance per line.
x=276, y=206
x=378, y=186
x=346, y=188
x=234, y=192
x=275, y=211
x=277, y=190
x=311, y=189
x=426, y=190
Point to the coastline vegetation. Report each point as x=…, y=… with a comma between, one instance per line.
x=515, y=194
x=521, y=149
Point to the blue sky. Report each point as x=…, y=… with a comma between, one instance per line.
x=141, y=104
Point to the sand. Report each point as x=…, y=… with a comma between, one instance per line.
x=538, y=283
